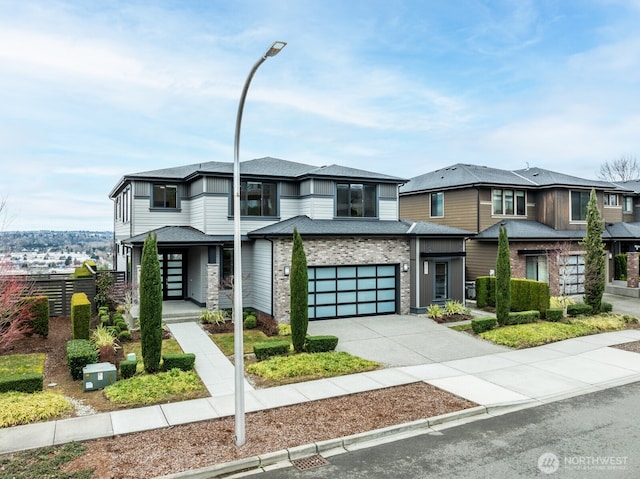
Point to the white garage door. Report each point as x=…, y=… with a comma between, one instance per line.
x=341, y=291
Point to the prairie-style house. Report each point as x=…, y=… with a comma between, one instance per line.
x=543, y=211
x=362, y=259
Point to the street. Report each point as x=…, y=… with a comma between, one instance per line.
x=595, y=435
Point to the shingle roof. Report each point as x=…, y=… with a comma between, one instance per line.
x=528, y=230
x=183, y=235
x=542, y=177
x=620, y=230
x=631, y=185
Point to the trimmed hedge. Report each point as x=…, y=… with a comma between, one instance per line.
x=320, y=344
x=523, y=317
x=24, y=383
x=40, y=311
x=80, y=316
x=555, y=314
x=485, y=291
x=273, y=348
x=481, y=325
x=526, y=294
x=250, y=322
x=606, y=307
x=80, y=352
x=127, y=369
x=578, y=309
x=184, y=361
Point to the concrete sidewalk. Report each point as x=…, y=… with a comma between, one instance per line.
x=503, y=378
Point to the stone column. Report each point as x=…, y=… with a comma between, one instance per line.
x=632, y=270
x=213, y=286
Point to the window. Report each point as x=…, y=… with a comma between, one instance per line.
x=437, y=204
x=258, y=198
x=227, y=268
x=610, y=199
x=537, y=269
x=627, y=203
x=441, y=283
x=509, y=202
x=165, y=196
x=579, y=200
x=356, y=200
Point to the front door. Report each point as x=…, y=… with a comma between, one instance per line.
x=172, y=268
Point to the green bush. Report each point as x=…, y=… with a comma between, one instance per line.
x=121, y=325
x=485, y=291
x=80, y=316
x=435, y=311
x=620, y=266
x=127, y=369
x=184, y=361
x=481, y=325
x=80, y=352
x=298, y=293
x=554, y=314
x=24, y=383
x=273, y=348
x=250, y=322
x=529, y=295
x=523, y=317
x=578, y=309
x=606, y=307
x=40, y=314
x=103, y=310
x=320, y=344
x=124, y=336
x=150, y=305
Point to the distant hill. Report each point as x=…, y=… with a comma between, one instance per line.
x=53, y=241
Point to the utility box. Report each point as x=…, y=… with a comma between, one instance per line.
x=98, y=376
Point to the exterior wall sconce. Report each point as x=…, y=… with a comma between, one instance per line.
x=405, y=267
x=287, y=270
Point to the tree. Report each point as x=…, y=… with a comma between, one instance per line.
x=503, y=278
x=622, y=169
x=299, y=299
x=16, y=313
x=150, y=305
x=594, y=255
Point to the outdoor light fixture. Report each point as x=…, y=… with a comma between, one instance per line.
x=237, y=256
x=287, y=271
x=405, y=267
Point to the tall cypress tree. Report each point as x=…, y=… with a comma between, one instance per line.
x=503, y=278
x=594, y=255
x=299, y=290
x=150, y=305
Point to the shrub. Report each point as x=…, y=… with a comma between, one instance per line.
x=80, y=352
x=124, y=336
x=435, y=311
x=250, y=322
x=620, y=266
x=559, y=302
x=284, y=330
x=121, y=325
x=150, y=305
x=452, y=307
x=183, y=362
x=103, y=311
x=555, y=314
x=481, y=325
x=80, y=316
x=606, y=307
x=105, y=341
x=40, y=314
x=578, y=309
x=24, y=383
x=523, y=317
x=273, y=348
x=529, y=295
x=127, y=369
x=320, y=344
x=211, y=316
x=299, y=293
x=485, y=291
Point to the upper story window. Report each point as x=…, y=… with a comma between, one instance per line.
x=509, y=202
x=122, y=206
x=437, y=204
x=627, y=204
x=258, y=198
x=165, y=196
x=356, y=200
x=579, y=201
x=610, y=199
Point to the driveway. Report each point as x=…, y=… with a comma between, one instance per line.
x=402, y=340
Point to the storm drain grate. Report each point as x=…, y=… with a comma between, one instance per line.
x=309, y=462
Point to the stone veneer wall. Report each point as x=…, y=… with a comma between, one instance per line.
x=338, y=251
x=632, y=270
x=213, y=286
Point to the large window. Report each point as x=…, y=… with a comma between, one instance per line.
x=610, y=199
x=258, y=198
x=356, y=200
x=437, y=204
x=627, y=204
x=509, y=202
x=579, y=200
x=537, y=268
x=165, y=196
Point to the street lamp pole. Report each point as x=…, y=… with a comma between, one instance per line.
x=238, y=348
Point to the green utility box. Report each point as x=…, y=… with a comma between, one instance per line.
x=98, y=376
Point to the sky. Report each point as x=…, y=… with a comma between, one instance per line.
x=91, y=91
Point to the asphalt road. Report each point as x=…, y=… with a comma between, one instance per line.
x=591, y=436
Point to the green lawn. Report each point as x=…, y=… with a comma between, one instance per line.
x=169, y=346
x=250, y=338
x=22, y=364
x=140, y=390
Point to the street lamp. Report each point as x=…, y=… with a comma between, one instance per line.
x=238, y=349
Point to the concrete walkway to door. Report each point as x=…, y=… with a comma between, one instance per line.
x=396, y=340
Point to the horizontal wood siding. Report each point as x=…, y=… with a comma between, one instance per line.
x=290, y=207
x=460, y=209
x=414, y=207
x=612, y=214
x=481, y=258
x=262, y=276
x=321, y=208
x=147, y=220
x=198, y=213
x=217, y=221
x=388, y=210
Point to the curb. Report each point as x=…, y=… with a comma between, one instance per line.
x=332, y=447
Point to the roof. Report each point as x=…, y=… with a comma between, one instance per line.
x=261, y=167
x=621, y=230
x=464, y=175
x=528, y=230
x=180, y=235
x=630, y=185
x=354, y=227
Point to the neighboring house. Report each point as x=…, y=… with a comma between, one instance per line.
x=362, y=259
x=544, y=213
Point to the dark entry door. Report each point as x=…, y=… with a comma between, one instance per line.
x=172, y=267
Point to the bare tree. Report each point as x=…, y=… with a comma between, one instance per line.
x=624, y=168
